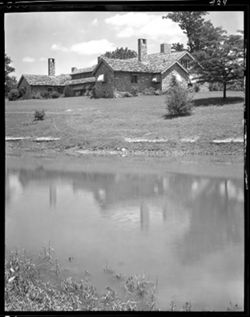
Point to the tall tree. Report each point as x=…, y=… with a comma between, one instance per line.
x=178, y=47
x=10, y=81
x=121, y=53
x=222, y=62
x=190, y=22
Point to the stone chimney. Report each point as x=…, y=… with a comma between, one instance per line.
x=142, y=50
x=51, y=67
x=73, y=69
x=165, y=48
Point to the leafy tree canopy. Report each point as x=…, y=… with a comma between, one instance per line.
x=190, y=22
x=178, y=47
x=10, y=81
x=121, y=53
x=223, y=61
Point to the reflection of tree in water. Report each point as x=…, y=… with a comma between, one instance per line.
x=216, y=214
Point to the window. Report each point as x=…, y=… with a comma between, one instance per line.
x=101, y=78
x=156, y=79
x=134, y=79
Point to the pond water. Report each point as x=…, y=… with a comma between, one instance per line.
x=186, y=232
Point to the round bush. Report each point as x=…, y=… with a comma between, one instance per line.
x=68, y=91
x=13, y=94
x=45, y=94
x=178, y=101
x=55, y=94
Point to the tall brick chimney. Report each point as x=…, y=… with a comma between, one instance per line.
x=165, y=48
x=142, y=50
x=51, y=67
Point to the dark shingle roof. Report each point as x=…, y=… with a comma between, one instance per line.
x=45, y=80
x=154, y=63
x=80, y=81
x=83, y=70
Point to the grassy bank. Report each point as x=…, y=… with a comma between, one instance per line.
x=107, y=124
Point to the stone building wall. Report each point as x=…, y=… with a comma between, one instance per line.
x=122, y=81
x=178, y=72
x=24, y=84
x=106, y=88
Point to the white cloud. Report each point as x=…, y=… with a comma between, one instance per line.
x=59, y=47
x=28, y=59
x=92, y=47
x=95, y=22
x=42, y=59
x=147, y=25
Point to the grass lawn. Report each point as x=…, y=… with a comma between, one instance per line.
x=103, y=124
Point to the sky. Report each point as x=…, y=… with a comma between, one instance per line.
x=76, y=39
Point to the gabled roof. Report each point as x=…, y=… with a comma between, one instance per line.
x=154, y=63
x=80, y=81
x=83, y=70
x=45, y=80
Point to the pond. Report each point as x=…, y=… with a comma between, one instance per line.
x=185, y=231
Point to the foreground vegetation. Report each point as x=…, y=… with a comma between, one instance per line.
x=27, y=288
x=39, y=284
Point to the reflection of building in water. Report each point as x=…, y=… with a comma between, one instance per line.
x=213, y=205
x=13, y=187
x=52, y=195
x=144, y=212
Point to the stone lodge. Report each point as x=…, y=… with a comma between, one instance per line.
x=146, y=71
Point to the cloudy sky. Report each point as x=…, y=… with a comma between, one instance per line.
x=76, y=39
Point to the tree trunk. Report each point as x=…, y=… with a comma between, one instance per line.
x=224, y=90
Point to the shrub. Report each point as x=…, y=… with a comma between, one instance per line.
x=45, y=94
x=157, y=92
x=37, y=96
x=215, y=87
x=39, y=115
x=178, y=101
x=173, y=81
x=55, y=94
x=68, y=91
x=196, y=88
x=22, y=91
x=134, y=91
x=149, y=91
x=13, y=94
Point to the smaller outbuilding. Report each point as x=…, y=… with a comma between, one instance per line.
x=82, y=81
x=34, y=85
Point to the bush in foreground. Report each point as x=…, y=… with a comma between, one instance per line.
x=68, y=91
x=39, y=115
x=178, y=100
x=13, y=94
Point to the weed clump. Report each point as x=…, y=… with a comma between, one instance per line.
x=178, y=101
x=39, y=115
